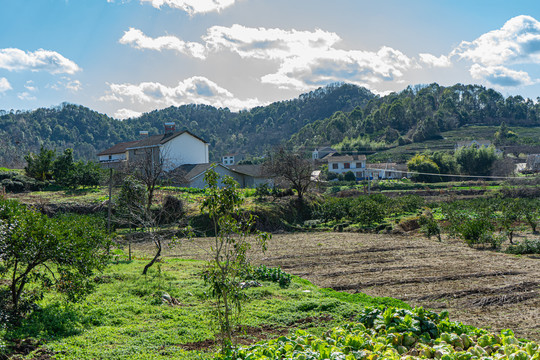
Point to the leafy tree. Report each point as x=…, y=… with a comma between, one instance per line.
x=475, y=160
x=445, y=161
x=63, y=167
x=429, y=226
x=86, y=173
x=421, y=163
x=511, y=214
x=39, y=166
x=44, y=253
x=228, y=254
x=504, y=136
x=530, y=211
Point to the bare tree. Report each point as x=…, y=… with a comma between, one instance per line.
x=148, y=166
x=503, y=167
x=292, y=168
x=132, y=211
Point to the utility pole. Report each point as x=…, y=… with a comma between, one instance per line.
x=109, y=210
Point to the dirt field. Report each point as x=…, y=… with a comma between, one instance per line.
x=478, y=287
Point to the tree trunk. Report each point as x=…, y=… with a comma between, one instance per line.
x=158, y=254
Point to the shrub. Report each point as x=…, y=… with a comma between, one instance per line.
x=40, y=253
x=429, y=226
x=476, y=231
x=264, y=273
x=368, y=212
x=525, y=247
x=173, y=210
x=349, y=176
x=262, y=190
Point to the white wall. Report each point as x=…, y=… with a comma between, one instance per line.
x=114, y=157
x=184, y=149
x=341, y=167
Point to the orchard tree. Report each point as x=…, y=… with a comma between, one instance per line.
x=41, y=253
x=229, y=261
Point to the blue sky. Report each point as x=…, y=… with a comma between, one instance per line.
x=125, y=57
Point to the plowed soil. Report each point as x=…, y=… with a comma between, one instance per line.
x=478, y=287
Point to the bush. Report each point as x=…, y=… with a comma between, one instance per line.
x=262, y=190
x=31, y=244
x=368, y=212
x=264, y=273
x=173, y=210
x=14, y=182
x=349, y=176
x=524, y=247
x=476, y=231
x=429, y=226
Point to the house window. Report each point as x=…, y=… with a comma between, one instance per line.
x=358, y=165
x=347, y=165
x=334, y=166
x=359, y=175
x=110, y=157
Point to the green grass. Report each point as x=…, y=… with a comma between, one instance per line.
x=126, y=319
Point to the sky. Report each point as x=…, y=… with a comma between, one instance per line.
x=126, y=57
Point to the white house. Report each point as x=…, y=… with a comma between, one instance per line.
x=115, y=157
x=231, y=159
x=533, y=162
x=172, y=149
x=386, y=171
x=340, y=164
x=247, y=176
x=319, y=153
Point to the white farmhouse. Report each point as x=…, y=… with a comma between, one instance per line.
x=232, y=159
x=340, y=164
x=172, y=149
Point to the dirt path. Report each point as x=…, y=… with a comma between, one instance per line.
x=481, y=288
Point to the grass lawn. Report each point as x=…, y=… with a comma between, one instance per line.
x=126, y=318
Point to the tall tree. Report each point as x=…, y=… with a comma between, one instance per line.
x=292, y=168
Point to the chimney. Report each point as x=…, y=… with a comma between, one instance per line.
x=143, y=134
x=170, y=127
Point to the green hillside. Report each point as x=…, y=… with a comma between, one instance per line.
x=253, y=131
x=420, y=114
x=346, y=116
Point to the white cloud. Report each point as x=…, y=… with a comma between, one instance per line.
x=72, y=85
x=193, y=7
x=126, y=114
x=433, y=61
x=137, y=39
x=518, y=41
x=30, y=86
x=41, y=60
x=4, y=85
x=67, y=84
x=26, y=96
x=500, y=76
x=308, y=58
x=196, y=89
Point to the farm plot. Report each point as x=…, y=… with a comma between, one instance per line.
x=481, y=288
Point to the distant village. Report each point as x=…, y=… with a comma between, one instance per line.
x=186, y=154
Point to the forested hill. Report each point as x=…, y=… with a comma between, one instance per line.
x=416, y=114
x=251, y=132
x=341, y=114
